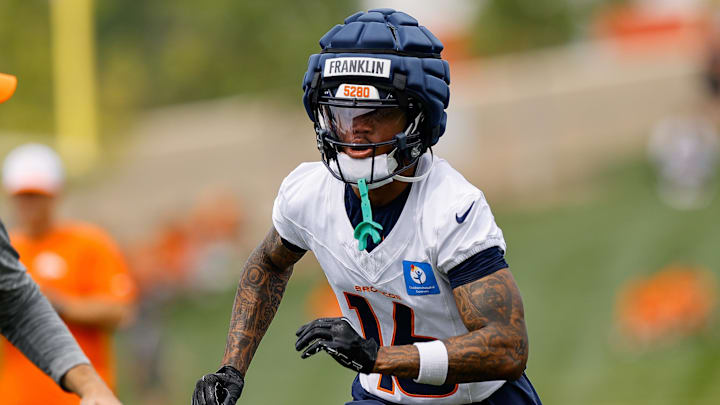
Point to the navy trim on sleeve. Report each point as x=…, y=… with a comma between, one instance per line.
x=291, y=247
x=479, y=265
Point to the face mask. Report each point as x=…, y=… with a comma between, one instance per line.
x=356, y=169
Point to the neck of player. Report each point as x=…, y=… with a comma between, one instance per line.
x=386, y=194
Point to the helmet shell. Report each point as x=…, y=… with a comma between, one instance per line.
x=387, y=48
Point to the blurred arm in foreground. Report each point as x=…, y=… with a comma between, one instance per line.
x=31, y=324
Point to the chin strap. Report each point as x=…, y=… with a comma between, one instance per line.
x=367, y=227
x=409, y=179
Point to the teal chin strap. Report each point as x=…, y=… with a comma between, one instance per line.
x=367, y=227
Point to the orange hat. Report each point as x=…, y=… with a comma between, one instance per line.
x=8, y=83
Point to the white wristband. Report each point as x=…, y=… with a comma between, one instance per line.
x=433, y=363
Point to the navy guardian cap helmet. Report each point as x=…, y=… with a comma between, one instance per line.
x=381, y=59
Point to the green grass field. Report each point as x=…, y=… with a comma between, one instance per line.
x=569, y=261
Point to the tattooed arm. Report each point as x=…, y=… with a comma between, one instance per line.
x=496, y=348
x=259, y=292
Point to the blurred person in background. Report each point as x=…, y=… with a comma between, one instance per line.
x=217, y=223
x=189, y=253
x=431, y=312
x=712, y=58
x=77, y=266
x=160, y=265
x=684, y=148
x=684, y=151
x=659, y=309
x=29, y=322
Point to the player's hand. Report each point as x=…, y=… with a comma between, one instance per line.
x=221, y=388
x=339, y=339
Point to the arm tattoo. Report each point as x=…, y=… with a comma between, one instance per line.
x=496, y=348
x=259, y=292
x=401, y=361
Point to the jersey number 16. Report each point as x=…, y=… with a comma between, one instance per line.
x=403, y=334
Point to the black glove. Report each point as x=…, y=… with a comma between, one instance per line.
x=339, y=339
x=221, y=388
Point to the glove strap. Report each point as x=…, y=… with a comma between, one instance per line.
x=231, y=371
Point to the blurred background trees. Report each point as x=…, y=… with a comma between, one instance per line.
x=167, y=52
x=504, y=26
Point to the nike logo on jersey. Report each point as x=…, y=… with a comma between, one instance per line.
x=461, y=219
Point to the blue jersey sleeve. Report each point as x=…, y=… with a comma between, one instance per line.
x=477, y=266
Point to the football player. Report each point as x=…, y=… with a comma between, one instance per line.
x=431, y=313
x=31, y=324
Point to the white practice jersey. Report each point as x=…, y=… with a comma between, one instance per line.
x=399, y=293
